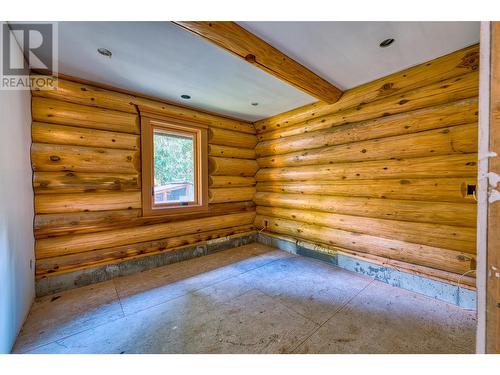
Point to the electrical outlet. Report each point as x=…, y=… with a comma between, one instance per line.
x=471, y=190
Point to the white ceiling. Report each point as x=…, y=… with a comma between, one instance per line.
x=347, y=54
x=162, y=60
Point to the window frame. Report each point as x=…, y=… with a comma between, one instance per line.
x=151, y=121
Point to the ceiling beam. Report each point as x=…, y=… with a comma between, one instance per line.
x=235, y=39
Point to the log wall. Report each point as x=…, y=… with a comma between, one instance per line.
x=86, y=160
x=385, y=173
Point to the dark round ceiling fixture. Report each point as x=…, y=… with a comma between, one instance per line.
x=105, y=52
x=184, y=96
x=386, y=43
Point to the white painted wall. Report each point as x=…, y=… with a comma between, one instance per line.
x=482, y=185
x=17, y=288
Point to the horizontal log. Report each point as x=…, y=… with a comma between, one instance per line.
x=466, y=281
x=464, y=165
x=231, y=152
x=79, y=93
x=232, y=167
x=231, y=138
x=459, y=214
x=75, y=136
x=73, y=262
x=51, y=225
x=230, y=181
x=59, y=203
x=458, y=139
x=52, y=158
x=91, y=95
x=442, y=236
x=457, y=88
x=233, y=194
x=452, y=65
x=72, y=244
x=321, y=134
x=64, y=113
x=448, y=260
x=436, y=189
x=75, y=182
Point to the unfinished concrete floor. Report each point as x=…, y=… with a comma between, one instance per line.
x=251, y=299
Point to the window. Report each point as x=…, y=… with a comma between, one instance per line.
x=174, y=165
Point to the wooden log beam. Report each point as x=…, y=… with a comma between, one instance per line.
x=52, y=225
x=88, y=95
x=448, y=260
x=449, y=66
x=224, y=137
x=232, y=167
x=424, y=189
x=230, y=181
x=235, y=39
x=453, y=89
x=52, y=158
x=75, y=182
x=60, y=203
x=231, y=152
x=72, y=244
x=460, y=139
x=458, y=214
x=323, y=134
x=73, y=262
x=76, y=136
x=64, y=113
x=429, y=167
x=233, y=194
x=62, y=224
x=442, y=236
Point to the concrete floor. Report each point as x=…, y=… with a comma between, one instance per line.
x=251, y=299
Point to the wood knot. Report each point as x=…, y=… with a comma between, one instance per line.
x=470, y=61
x=250, y=58
x=387, y=86
x=54, y=158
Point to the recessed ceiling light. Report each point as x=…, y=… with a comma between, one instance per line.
x=184, y=96
x=255, y=104
x=386, y=43
x=104, y=52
